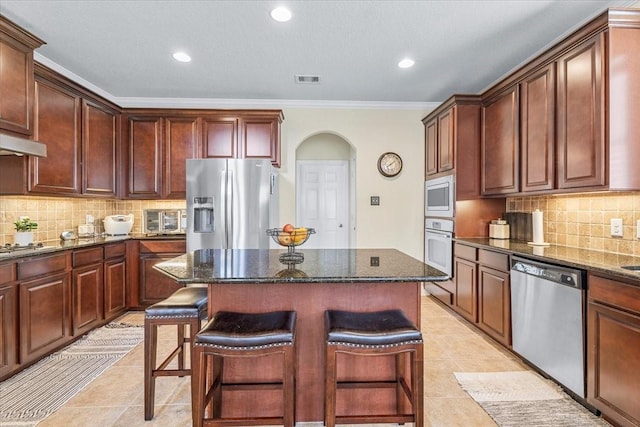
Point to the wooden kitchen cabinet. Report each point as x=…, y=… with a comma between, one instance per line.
x=45, y=319
x=100, y=163
x=501, y=143
x=144, y=160
x=153, y=285
x=220, y=137
x=181, y=143
x=440, y=143
x=115, y=280
x=58, y=126
x=8, y=319
x=613, y=352
x=482, y=290
x=16, y=77
x=87, y=291
x=537, y=129
x=581, y=139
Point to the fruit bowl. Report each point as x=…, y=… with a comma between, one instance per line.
x=291, y=239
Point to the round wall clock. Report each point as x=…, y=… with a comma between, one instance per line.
x=389, y=164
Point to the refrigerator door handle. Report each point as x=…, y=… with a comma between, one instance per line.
x=223, y=209
x=230, y=205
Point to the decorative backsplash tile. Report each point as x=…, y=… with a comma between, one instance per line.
x=55, y=214
x=583, y=220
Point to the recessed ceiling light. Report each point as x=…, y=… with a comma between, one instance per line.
x=406, y=63
x=281, y=14
x=182, y=57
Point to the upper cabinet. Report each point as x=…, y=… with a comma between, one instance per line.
x=160, y=141
x=81, y=134
x=563, y=122
x=500, y=143
x=452, y=144
x=16, y=78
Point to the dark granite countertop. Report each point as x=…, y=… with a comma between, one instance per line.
x=52, y=246
x=595, y=261
x=319, y=266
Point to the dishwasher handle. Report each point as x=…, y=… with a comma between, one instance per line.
x=565, y=276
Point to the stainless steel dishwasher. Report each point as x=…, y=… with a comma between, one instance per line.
x=548, y=321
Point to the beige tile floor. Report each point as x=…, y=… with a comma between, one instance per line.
x=451, y=345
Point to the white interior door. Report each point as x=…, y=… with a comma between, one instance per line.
x=322, y=201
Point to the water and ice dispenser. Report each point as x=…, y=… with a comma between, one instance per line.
x=203, y=215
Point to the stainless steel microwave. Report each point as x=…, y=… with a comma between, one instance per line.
x=165, y=221
x=440, y=197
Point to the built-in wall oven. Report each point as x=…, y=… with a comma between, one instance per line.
x=438, y=244
x=440, y=197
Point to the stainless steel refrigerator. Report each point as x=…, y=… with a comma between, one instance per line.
x=230, y=203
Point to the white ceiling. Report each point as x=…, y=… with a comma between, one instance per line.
x=122, y=48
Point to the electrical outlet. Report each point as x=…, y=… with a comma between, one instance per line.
x=375, y=200
x=89, y=219
x=374, y=261
x=616, y=227
x=638, y=229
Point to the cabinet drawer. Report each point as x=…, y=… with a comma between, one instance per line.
x=7, y=273
x=466, y=252
x=163, y=246
x=494, y=259
x=34, y=267
x=114, y=251
x=87, y=256
x=614, y=293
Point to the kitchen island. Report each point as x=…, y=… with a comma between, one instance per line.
x=255, y=280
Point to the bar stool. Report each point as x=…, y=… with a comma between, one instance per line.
x=374, y=334
x=185, y=307
x=231, y=334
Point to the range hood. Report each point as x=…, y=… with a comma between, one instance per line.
x=21, y=146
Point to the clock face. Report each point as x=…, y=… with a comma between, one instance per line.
x=389, y=164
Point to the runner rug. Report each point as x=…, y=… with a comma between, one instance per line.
x=31, y=395
x=524, y=398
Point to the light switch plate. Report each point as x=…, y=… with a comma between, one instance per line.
x=616, y=227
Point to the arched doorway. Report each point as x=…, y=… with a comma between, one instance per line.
x=325, y=190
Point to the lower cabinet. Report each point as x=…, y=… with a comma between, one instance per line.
x=8, y=318
x=115, y=280
x=482, y=290
x=155, y=286
x=88, y=289
x=44, y=315
x=613, y=356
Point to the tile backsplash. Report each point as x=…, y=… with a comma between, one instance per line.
x=583, y=220
x=56, y=214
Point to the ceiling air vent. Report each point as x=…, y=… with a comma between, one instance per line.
x=307, y=80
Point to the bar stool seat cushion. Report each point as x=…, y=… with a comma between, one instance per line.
x=244, y=330
x=185, y=302
x=390, y=327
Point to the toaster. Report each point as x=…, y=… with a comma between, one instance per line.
x=118, y=225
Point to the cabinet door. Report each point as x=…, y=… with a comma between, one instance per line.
x=181, y=143
x=494, y=304
x=581, y=140
x=8, y=329
x=155, y=286
x=145, y=158
x=44, y=315
x=16, y=86
x=614, y=363
x=115, y=275
x=537, y=121
x=260, y=139
x=465, y=300
x=220, y=137
x=500, y=144
x=99, y=150
x=57, y=124
x=87, y=298
x=431, y=147
x=446, y=140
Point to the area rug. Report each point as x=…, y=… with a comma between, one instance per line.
x=524, y=398
x=31, y=395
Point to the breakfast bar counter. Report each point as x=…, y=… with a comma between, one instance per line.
x=255, y=280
